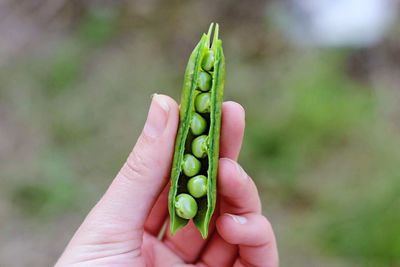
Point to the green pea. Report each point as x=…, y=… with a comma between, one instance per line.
x=197, y=186
x=204, y=81
x=185, y=206
x=198, y=124
x=200, y=146
x=208, y=61
x=202, y=102
x=191, y=166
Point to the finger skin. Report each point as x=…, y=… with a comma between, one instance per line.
x=232, y=131
x=237, y=191
x=219, y=253
x=179, y=243
x=254, y=234
x=157, y=253
x=158, y=213
x=255, y=237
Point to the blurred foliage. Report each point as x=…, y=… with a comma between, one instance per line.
x=318, y=121
x=98, y=26
x=54, y=191
x=370, y=234
x=363, y=223
x=318, y=110
x=320, y=142
x=64, y=68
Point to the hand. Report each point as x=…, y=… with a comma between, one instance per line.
x=122, y=229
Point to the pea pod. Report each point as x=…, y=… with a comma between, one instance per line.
x=198, y=136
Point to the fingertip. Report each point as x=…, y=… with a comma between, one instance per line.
x=161, y=121
x=235, y=107
x=173, y=105
x=233, y=111
x=231, y=178
x=167, y=103
x=173, y=119
x=236, y=188
x=240, y=196
x=236, y=112
x=232, y=129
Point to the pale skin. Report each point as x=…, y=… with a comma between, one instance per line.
x=122, y=228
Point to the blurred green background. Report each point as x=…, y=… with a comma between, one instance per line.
x=322, y=135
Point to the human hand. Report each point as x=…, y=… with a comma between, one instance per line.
x=122, y=229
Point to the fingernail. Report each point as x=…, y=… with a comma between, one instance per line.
x=157, y=117
x=237, y=219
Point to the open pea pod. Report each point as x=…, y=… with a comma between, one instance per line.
x=194, y=169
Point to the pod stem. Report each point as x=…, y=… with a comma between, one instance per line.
x=212, y=34
x=210, y=29
x=216, y=33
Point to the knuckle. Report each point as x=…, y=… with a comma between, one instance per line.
x=136, y=166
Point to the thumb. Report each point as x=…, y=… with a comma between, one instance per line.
x=130, y=197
